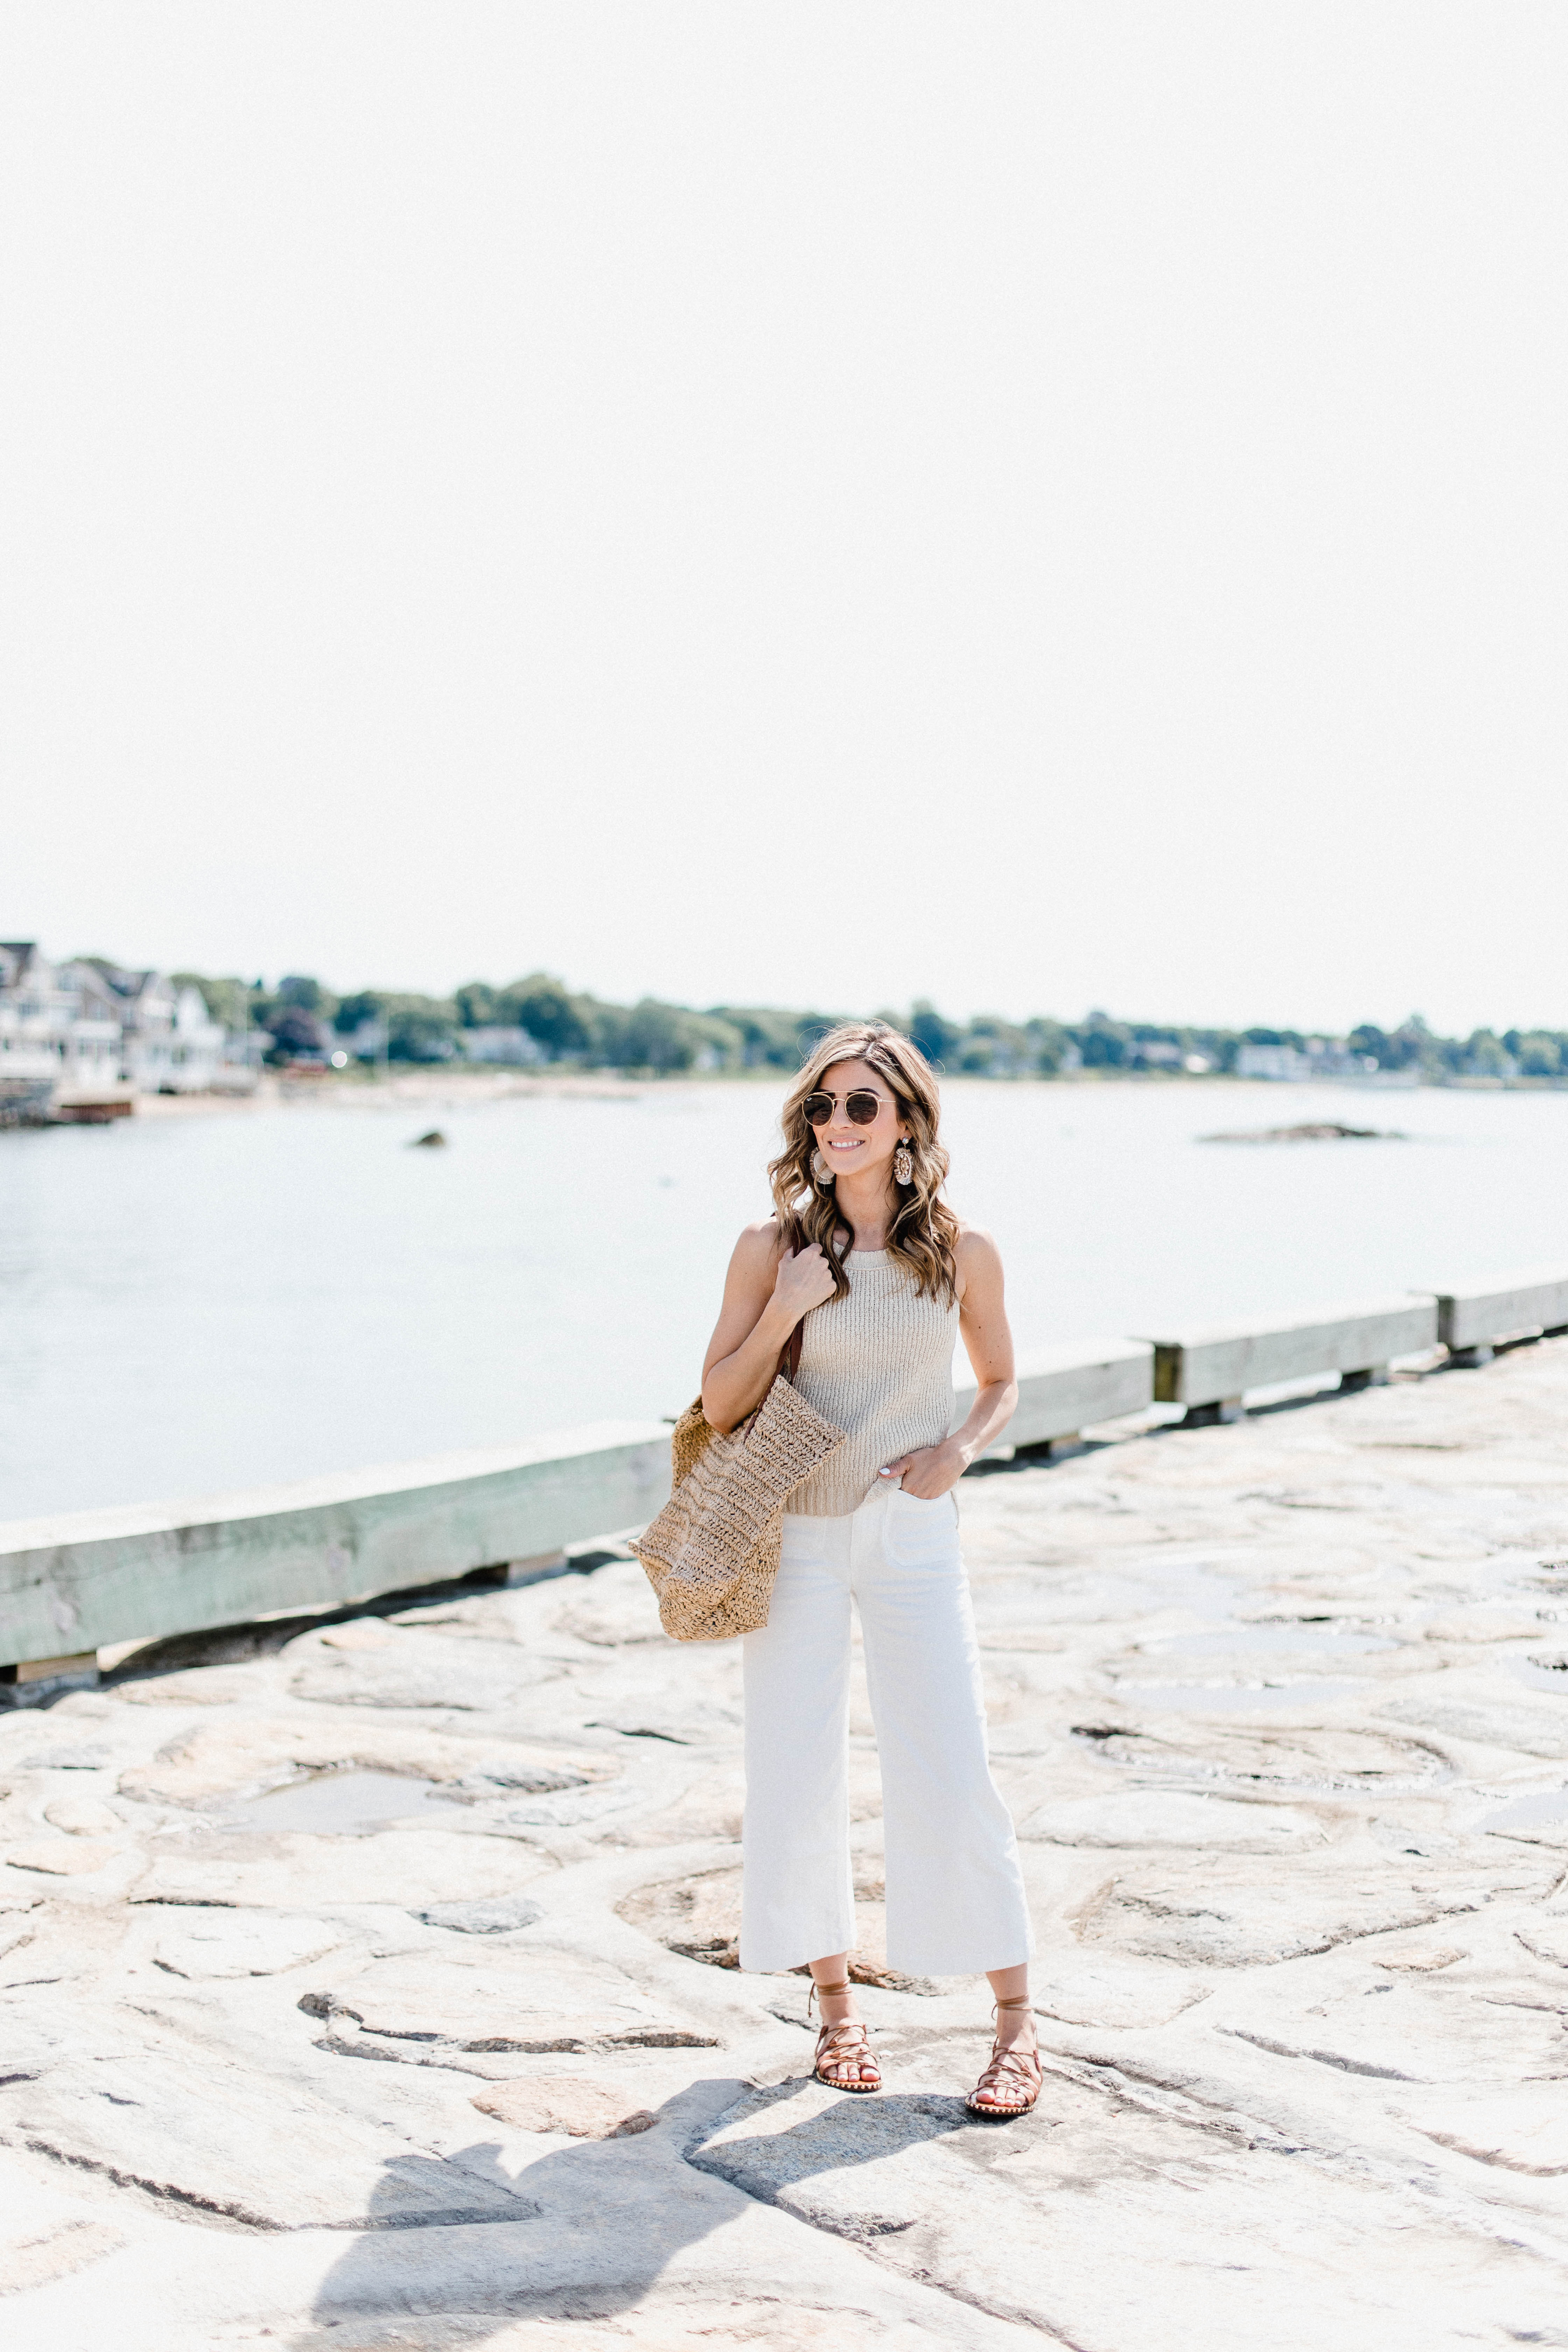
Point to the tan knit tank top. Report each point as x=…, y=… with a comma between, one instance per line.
x=879, y=1363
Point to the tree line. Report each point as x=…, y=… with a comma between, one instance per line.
x=302, y=1019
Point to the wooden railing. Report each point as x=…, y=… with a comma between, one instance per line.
x=1069, y=1389
x=73, y=1585
x=1210, y=1371
x=76, y=1584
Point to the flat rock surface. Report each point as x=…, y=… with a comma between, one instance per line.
x=210, y=1943
x=400, y=1865
x=449, y=2006
x=575, y=2104
x=1279, y=1710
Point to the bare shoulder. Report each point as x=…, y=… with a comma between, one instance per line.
x=758, y=1249
x=977, y=1257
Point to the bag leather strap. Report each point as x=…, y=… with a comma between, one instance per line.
x=787, y=1367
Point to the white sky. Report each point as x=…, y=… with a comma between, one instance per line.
x=1032, y=505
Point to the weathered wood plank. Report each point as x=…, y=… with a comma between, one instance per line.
x=1476, y=1316
x=1206, y=1366
x=1064, y=1389
x=82, y=1580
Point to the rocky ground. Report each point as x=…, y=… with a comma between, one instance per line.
x=448, y=2048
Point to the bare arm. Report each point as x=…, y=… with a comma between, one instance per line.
x=929, y=1470
x=766, y=1292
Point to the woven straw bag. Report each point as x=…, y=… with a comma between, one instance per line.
x=712, y=1553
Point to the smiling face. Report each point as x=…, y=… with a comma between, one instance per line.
x=848, y=1147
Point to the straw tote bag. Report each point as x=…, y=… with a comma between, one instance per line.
x=712, y=1553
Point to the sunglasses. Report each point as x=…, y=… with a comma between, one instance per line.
x=861, y=1107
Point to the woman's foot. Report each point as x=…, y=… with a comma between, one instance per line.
x=1011, y=2083
x=843, y=2058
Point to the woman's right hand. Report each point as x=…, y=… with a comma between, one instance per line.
x=766, y=1292
x=804, y=1280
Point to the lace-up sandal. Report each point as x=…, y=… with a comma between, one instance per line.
x=1012, y=2082
x=847, y=2044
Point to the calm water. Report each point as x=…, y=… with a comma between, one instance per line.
x=190, y=1304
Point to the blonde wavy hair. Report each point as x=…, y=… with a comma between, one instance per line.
x=923, y=1232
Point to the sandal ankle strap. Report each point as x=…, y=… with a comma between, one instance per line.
x=816, y=1989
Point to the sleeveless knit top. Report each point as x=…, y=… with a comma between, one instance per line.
x=879, y=1364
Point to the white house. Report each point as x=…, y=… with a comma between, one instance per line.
x=35, y=1031
x=239, y=1065
x=170, y=1043
x=95, y=1071
x=60, y=1033
x=89, y=1033
x=1321, y=1057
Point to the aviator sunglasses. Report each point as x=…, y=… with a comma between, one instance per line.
x=861, y=1107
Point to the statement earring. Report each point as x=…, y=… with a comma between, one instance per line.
x=903, y=1163
x=821, y=1171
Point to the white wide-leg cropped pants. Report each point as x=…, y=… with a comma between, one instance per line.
x=955, y=1892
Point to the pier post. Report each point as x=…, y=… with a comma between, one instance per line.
x=1216, y=1409
x=36, y=1679
x=1051, y=1449
x=534, y=1569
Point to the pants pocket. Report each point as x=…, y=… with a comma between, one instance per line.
x=920, y=1532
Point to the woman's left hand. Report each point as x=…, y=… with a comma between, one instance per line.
x=928, y=1471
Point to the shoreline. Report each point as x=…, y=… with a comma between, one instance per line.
x=437, y=1087
x=442, y=1087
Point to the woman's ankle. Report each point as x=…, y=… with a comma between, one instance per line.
x=831, y=1986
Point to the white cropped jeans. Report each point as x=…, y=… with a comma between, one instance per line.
x=955, y=1892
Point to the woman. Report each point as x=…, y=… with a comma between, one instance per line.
x=863, y=1248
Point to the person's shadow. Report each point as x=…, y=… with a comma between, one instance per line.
x=585, y=2232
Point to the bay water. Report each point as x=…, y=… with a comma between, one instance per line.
x=200, y=1302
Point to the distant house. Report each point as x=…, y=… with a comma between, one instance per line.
x=59, y=1035
x=1278, y=1062
x=370, y=1039
x=1325, y=1058
x=170, y=1043
x=239, y=1065
x=95, y=1054
x=89, y=1032
x=519, y=1047
x=35, y=1031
